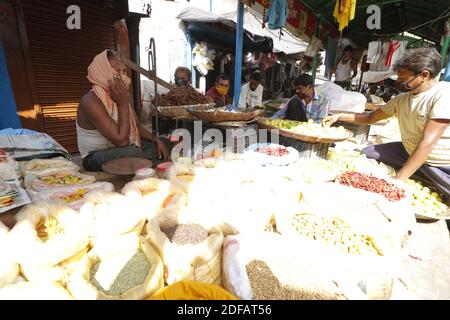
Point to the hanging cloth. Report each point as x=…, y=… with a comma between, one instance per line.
x=344, y=12
x=278, y=12
x=393, y=46
x=374, y=51
x=398, y=54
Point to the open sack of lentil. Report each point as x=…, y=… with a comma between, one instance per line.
x=189, y=245
x=73, y=196
x=9, y=268
x=152, y=195
x=266, y=266
x=41, y=167
x=111, y=214
x=121, y=268
x=49, y=238
x=35, y=291
x=60, y=179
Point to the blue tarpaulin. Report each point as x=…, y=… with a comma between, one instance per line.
x=8, y=110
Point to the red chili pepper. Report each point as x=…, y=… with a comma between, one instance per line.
x=372, y=184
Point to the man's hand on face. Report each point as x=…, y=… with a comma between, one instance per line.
x=119, y=91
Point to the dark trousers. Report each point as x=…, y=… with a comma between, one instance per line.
x=95, y=160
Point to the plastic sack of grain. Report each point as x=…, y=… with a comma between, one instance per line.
x=35, y=291
x=9, y=169
x=181, y=175
x=110, y=214
x=246, y=208
x=256, y=267
x=192, y=290
x=73, y=196
x=9, y=268
x=127, y=269
x=189, y=245
x=152, y=195
x=360, y=246
x=369, y=212
x=60, y=179
x=41, y=167
x=49, y=238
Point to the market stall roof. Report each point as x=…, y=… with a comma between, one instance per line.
x=423, y=18
x=286, y=43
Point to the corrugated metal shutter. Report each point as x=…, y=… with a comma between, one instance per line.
x=60, y=58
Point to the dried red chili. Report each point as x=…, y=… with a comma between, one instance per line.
x=273, y=151
x=372, y=184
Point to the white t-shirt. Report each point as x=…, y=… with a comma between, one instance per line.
x=249, y=97
x=413, y=113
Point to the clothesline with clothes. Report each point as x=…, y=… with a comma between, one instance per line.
x=382, y=55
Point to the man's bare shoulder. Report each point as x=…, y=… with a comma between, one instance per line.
x=90, y=99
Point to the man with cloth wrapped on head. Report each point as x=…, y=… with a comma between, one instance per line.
x=107, y=126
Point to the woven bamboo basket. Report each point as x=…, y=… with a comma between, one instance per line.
x=181, y=112
x=302, y=137
x=224, y=116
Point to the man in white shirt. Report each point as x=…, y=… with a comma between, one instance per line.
x=251, y=92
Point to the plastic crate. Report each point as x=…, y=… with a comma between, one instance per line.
x=360, y=131
x=240, y=138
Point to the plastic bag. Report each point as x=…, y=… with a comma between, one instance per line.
x=48, y=237
x=39, y=167
x=111, y=214
x=151, y=195
x=9, y=268
x=61, y=179
x=342, y=100
x=35, y=291
x=73, y=196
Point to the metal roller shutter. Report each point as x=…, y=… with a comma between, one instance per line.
x=60, y=58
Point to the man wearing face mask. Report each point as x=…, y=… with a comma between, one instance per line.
x=423, y=113
x=219, y=93
x=183, y=77
x=107, y=126
x=251, y=92
x=307, y=104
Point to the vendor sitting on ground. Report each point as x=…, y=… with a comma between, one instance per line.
x=107, y=126
x=423, y=114
x=251, y=92
x=183, y=77
x=219, y=93
x=307, y=104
